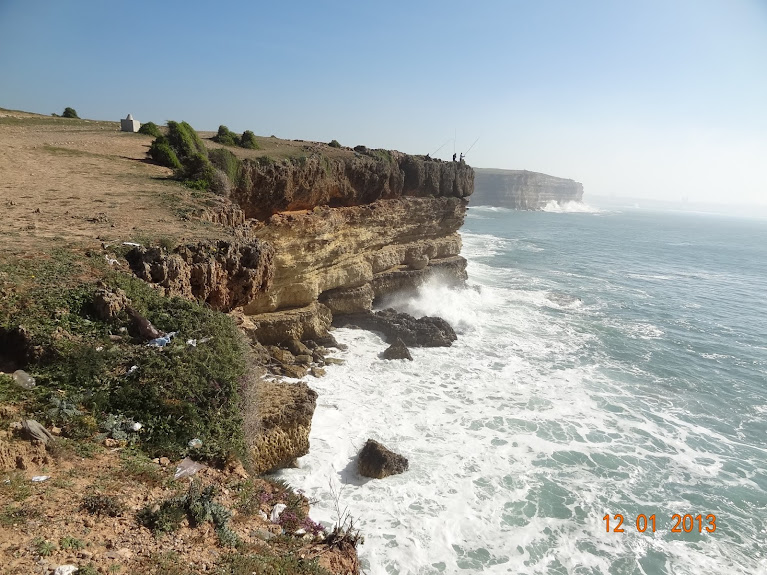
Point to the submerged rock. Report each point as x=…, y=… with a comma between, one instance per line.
x=376, y=461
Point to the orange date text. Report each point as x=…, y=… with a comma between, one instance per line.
x=686, y=523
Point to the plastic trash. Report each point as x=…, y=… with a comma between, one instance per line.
x=40, y=478
x=187, y=468
x=136, y=426
x=192, y=342
x=65, y=570
x=195, y=443
x=134, y=244
x=162, y=341
x=22, y=379
x=132, y=369
x=277, y=511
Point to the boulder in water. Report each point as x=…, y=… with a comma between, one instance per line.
x=397, y=350
x=376, y=461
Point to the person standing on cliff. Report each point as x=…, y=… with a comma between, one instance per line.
x=454, y=156
x=461, y=158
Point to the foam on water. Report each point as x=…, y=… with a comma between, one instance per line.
x=570, y=208
x=547, y=413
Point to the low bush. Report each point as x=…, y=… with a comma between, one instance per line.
x=161, y=152
x=248, y=140
x=226, y=137
x=69, y=113
x=334, y=144
x=198, y=506
x=150, y=129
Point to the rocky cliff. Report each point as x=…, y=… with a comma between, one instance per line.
x=522, y=190
x=311, y=237
x=322, y=236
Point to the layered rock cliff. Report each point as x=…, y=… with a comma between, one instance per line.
x=316, y=236
x=522, y=190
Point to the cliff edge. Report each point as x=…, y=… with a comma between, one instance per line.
x=522, y=190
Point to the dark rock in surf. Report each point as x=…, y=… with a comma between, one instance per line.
x=397, y=350
x=423, y=332
x=376, y=461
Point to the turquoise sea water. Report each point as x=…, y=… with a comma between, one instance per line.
x=608, y=363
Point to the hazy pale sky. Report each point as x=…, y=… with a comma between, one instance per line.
x=653, y=98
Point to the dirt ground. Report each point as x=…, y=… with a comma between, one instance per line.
x=44, y=525
x=66, y=182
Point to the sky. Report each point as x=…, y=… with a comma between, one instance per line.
x=658, y=99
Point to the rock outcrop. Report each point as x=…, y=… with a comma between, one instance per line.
x=422, y=332
x=224, y=274
x=284, y=415
x=397, y=350
x=365, y=177
x=522, y=190
x=376, y=461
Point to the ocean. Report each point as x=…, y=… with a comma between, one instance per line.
x=609, y=363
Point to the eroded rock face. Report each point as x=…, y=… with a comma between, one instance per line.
x=376, y=461
x=225, y=274
x=423, y=332
x=365, y=178
x=308, y=322
x=346, y=257
x=522, y=190
x=285, y=419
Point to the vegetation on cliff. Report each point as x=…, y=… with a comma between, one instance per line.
x=84, y=365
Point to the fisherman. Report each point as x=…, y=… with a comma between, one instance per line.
x=461, y=158
x=454, y=154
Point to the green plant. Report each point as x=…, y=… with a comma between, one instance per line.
x=226, y=137
x=150, y=129
x=61, y=410
x=43, y=547
x=161, y=152
x=90, y=569
x=262, y=564
x=13, y=515
x=248, y=140
x=227, y=162
x=334, y=144
x=15, y=486
x=198, y=506
x=97, y=504
x=68, y=542
x=69, y=113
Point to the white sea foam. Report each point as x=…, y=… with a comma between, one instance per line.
x=570, y=208
x=521, y=437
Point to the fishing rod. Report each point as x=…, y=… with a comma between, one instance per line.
x=470, y=147
x=442, y=146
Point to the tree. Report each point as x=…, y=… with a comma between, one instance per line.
x=69, y=113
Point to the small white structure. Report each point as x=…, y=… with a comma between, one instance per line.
x=129, y=124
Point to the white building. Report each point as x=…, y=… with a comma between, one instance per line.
x=129, y=124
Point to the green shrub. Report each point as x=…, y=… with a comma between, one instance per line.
x=334, y=144
x=227, y=162
x=161, y=152
x=185, y=141
x=198, y=505
x=69, y=113
x=226, y=137
x=150, y=129
x=248, y=140
x=109, y=505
